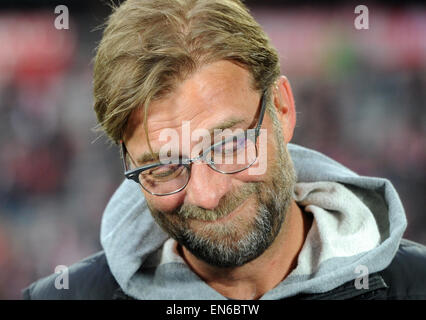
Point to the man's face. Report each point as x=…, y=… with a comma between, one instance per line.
x=224, y=219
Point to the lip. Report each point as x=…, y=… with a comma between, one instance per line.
x=230, y=215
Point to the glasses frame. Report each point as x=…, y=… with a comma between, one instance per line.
x=133, y=174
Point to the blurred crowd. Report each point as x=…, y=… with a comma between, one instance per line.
x=58, y=174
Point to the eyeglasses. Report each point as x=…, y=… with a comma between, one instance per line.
x=231, y=155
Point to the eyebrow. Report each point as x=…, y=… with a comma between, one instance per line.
x=155, y=156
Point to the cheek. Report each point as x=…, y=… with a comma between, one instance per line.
x=259, y=171
x=248, y=176
x=165, y=203
x=245, y=176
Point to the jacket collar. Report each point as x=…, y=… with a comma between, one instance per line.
x=376, y=289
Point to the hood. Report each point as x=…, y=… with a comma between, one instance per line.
x=358, y=221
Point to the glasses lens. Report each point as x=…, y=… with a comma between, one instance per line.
x=234, y=155
x=164, y=179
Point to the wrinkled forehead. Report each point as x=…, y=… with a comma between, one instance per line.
x=217, y=95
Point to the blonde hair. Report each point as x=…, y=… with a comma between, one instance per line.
x=148, y=46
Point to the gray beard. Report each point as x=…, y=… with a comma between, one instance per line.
x=224, y=251
x=237, y=242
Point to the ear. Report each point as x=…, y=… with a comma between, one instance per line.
x=284, y=104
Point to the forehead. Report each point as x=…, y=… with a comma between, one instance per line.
x=215, y=93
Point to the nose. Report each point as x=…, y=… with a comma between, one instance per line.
x=206, y=186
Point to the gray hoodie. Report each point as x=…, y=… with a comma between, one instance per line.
x=358, y=224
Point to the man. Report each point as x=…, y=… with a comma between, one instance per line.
x=280, y=222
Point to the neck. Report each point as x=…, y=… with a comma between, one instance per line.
x=253, y=279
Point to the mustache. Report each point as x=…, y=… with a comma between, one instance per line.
x=226, y=205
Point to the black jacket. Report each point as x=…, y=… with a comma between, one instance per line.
x=404, y=278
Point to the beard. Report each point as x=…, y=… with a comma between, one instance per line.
x=237, y=241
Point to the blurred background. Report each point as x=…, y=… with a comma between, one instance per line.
x=360, y=97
